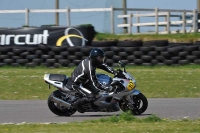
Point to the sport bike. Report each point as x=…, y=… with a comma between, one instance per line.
x=124, y=96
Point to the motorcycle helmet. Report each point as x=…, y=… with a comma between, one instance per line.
x=97, y=56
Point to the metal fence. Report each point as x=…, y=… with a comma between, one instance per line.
x=132, y=13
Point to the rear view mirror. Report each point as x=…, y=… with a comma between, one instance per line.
x=121, y=64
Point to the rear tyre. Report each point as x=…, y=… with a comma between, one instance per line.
x=140, y=104
x=56, y=108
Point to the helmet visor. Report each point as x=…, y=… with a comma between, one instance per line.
x=101, y=59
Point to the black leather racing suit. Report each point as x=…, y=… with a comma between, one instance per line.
x=85, y=74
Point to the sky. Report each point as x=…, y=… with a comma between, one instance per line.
x=98, y=19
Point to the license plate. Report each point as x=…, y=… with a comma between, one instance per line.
x=130, y=85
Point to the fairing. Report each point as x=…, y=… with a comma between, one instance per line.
x=104, y=79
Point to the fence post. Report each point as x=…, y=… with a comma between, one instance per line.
x=26, y=17
x=112, y=19
x=168, y=22
x=165, y=28
x=194, y=21
x=138, y=21
x=68, y=16
x=130, y=23
x=156, y=19
x=184, y=22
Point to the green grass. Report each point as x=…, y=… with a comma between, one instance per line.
x=129, y=127
x=180, y=37
x=127, y=117
x=154, y=82
x=125, y=123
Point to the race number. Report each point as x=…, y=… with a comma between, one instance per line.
x=130, y=85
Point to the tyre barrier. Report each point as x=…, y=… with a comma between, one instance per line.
x=133, y=53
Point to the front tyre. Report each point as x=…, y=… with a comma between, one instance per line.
x=57, y=108
x=137, y=105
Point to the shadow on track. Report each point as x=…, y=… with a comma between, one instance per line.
x=103, y=115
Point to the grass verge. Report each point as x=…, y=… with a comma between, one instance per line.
x=125, y=123
x=179, y=37
x=154, y=82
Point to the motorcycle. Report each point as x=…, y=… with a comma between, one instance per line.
x=125, y=95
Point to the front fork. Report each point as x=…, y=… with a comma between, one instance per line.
x=129, y=99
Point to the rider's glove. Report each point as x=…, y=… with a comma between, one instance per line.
x=109, y=89
x=114, y=72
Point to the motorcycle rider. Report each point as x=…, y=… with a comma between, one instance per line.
x=85, y=74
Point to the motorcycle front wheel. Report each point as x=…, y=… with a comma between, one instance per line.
x=56, y=108
x=139, y=105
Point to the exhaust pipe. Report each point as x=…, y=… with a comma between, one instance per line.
x=63, y=103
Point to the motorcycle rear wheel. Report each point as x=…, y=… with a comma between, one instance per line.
x=55, y=107
x=138, y=108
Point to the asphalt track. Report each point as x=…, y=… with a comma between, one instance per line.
x=36, y=111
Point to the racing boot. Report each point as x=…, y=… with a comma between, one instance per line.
x=78, y=104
